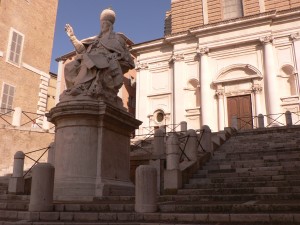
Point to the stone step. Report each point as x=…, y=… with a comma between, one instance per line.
x=55, y=218
x=230, y=197
x=256, y=155
x=233, y=207
x=197, y=185
x=241, y=190
x=228, y=179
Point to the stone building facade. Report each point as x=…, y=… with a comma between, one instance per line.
x=27, y=31
x=220, y=59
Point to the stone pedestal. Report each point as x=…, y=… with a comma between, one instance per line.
x=92, y=144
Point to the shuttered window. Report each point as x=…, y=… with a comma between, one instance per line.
x=8, y=93
x=15, y=47
x=232, y=9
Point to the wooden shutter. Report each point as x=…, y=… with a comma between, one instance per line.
x=7, y=98
x=15, y=48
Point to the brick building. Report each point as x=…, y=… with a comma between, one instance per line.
x=27, y=31
x=220, y=59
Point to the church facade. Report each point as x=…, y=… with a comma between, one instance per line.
x=219, y=60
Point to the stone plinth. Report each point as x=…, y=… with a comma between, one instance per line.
x=92, y=144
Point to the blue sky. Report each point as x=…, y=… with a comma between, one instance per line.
x=139, y=20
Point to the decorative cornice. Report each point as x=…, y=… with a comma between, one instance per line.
x=141, y=66
x=267, y=39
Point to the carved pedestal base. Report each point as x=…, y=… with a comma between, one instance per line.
x=92, y=143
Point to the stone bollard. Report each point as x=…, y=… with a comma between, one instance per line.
x=191, y=150
x=172, y=152
x=17, y=115
x=51, y=154
x=41, y=198
x=16, y=182
x=46, y=124
x=159, y=142
x=261, y=122
x=234, y=122
x=288, y=118
x=172, y=174
x=183, y=126
x=145, y=189
x=206, y=141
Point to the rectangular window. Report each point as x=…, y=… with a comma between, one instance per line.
x=232, y=9
x=8, y=93
x=15, y=47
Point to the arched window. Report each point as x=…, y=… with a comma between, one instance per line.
x=232, y=9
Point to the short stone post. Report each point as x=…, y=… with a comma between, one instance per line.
x=51, y=154
x=183, y=126
x=234, y=122
x=16, y=182
x=288, y=118
x=191, y=152
x=206, y=142
x=46, y=124
x=172, y=175
x=261, y=122
x=41, y=198
x=17, y=116
x=159, y=142
x=173, y=152
x=145, y=189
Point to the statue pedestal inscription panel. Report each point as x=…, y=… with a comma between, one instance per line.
x=92, y=144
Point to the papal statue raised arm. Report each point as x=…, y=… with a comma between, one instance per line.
x=100, y=62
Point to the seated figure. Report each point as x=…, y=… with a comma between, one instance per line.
x=100, y=61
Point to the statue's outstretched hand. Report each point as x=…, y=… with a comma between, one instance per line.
x=69, y=30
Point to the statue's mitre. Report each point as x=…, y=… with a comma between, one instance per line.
x=108, y=14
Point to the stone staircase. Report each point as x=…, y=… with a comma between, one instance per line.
x=253, y=178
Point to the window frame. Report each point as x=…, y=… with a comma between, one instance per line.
x=10, y=40
x=236, y=16
x=1, y=100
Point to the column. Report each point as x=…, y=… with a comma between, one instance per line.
x=256, y=89
x=204, y=86
x=272, y=101
x=296, y=48
x=220, y=96
x=177, y=88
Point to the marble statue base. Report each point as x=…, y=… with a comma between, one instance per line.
x=92, y=144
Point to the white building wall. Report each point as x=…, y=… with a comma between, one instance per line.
x=239, y=63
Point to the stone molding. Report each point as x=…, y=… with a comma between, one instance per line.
x=256, y=89
x=202, y=51
x=220, y=93
x=266, y=39
x=176, y=58
x=295, y=36
x=1, y=54
x=141, y=66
